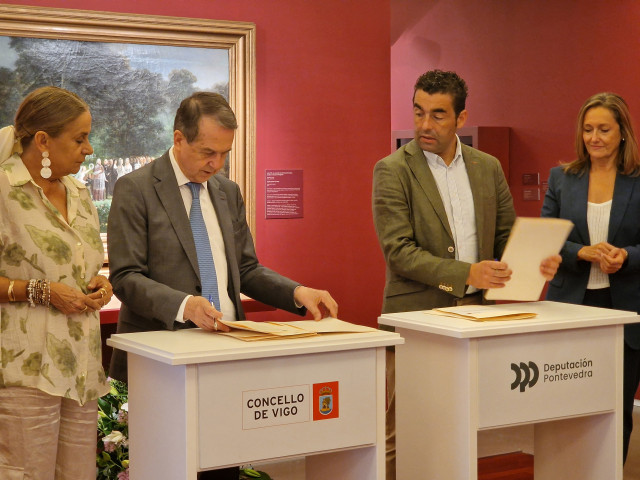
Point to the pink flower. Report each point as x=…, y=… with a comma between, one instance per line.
x=124, y=475
x=123, y=416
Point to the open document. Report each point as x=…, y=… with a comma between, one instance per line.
x=250, y=331
x=531, y=241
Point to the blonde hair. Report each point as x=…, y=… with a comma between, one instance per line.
x=47, y=109
x=628, y=161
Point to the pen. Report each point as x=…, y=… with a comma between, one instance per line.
x=215, y=320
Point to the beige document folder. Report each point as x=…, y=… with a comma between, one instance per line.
x=531, y=241
x=251, y=331
x=482, y=313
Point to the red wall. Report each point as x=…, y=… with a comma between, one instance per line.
x=322, y=106
x=528, y=65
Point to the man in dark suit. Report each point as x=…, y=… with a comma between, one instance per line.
x=443, y=213
x=155, y=269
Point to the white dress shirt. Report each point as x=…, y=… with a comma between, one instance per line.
x=215, y=239
x=455, y=191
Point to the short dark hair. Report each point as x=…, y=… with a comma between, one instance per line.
x=192, y=108
x=438, y=81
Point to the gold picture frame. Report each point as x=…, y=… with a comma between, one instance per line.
x=238, y=38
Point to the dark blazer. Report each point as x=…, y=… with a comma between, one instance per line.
x=567, y=198
x=413, y=228
x=152, y=255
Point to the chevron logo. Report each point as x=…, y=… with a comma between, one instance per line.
x=526, y=374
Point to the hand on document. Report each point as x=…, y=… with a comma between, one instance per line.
x=319, y=302
x=200, y=311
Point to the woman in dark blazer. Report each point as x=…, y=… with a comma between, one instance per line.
x=600, y=193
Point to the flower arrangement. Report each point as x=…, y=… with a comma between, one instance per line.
x=113, y=434
x=112, y=459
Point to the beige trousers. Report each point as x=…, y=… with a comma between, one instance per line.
x=43, y=437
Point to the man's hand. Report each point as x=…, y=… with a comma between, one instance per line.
x=203, y=314
x=319, y=302
x=489, y=274
x=549, y=266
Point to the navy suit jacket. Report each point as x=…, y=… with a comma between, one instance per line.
x=567, y=198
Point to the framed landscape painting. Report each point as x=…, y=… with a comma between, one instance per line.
x=133, y=71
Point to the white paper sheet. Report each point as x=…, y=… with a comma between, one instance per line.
x=531, y=241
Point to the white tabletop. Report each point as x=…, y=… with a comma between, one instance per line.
x=194, y=345
x=550, y=316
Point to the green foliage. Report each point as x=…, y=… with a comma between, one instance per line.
x=112, y=460
x=132, y=107
x=251, y=474
x=103, y=207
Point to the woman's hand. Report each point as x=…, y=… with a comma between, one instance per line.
x=613, y=261
x=593, y=253
x=101, y=289
x=71, y=300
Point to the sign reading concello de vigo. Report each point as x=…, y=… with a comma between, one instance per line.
x=291, y=404
x=546, y=375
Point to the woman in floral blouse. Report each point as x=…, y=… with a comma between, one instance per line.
x=50, y=293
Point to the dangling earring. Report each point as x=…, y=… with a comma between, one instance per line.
x=46, y=171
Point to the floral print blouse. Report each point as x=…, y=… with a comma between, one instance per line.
x=41, y=347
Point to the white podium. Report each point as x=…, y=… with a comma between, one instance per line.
x=561, y=371
x=200, y=401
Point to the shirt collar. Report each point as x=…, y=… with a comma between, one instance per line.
x=180, y=176
x=18, y=175
x=434, y=159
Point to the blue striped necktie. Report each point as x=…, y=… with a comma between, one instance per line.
x=208, y=276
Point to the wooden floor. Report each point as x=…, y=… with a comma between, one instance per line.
x=511, y=466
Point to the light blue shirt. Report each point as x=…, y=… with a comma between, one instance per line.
x=455, y=191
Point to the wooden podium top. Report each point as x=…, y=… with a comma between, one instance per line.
x=194, y=345
x=551, y=316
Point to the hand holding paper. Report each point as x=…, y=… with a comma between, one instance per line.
x=489, y=274
x=532, y=255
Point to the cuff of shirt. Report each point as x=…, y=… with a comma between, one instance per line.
x=180, y=315
x=294, y=298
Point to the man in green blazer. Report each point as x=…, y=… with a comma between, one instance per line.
x=443, y=213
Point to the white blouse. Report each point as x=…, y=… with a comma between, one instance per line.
x=598, y=222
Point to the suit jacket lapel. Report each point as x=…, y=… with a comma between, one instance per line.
x=621, y=195
x=219, y=201
x=169, y=195
x=421, y=171
x=577, y=195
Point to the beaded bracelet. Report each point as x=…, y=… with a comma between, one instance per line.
x=39, y=291
x=31, y=286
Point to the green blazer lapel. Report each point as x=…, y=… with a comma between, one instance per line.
x=476, y=180
x=422, y=173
